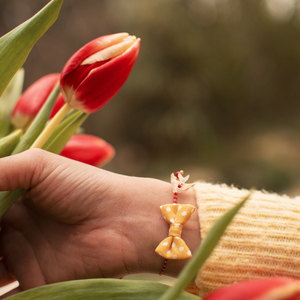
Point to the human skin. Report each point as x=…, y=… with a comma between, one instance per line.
x=76, y=221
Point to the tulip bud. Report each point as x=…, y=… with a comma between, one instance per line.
x=274, y=288
x=88, y=149
x=32, y=100
x=96, y=72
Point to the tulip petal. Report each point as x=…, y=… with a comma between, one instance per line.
x=90, y=49
x=285, y=292
x=276, y=288
x=32, y=100
x=75, y=77
x=110, y=52
x=105, y=81
x=88, y=149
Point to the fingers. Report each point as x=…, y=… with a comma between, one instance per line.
x=21, y=170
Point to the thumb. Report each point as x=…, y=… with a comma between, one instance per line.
x=22, y=170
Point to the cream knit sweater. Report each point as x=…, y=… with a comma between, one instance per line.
x=262, y=240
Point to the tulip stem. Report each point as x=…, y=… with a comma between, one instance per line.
x=43, y=137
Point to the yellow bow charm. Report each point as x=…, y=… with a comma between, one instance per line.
x=173, y=247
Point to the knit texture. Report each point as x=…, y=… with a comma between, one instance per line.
x=262, y=240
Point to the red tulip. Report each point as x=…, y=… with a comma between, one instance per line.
x=274, y=288
x=88, y=149
x=32, y=100
x=96, y=72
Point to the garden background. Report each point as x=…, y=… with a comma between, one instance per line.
x=215, y=90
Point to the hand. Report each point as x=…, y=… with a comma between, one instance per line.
x=75, y=221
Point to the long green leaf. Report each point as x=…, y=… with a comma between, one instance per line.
x=202, y=253
x=8, y=100
x=9, y=142
x=99, y=289
x=38, y=123
x=16, y=44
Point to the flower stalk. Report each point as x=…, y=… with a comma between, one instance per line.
x=38, y=124
x=43, y=137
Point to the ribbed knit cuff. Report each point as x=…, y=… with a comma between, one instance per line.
x=262, y=240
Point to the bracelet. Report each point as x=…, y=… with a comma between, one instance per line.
x=173, y=247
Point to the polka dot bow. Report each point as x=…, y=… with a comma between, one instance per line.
x=173, y=247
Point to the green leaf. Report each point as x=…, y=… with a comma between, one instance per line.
x=64, y=132
x=5, y=127
x=99, y=289
x=12, y=93
x=16, y=44
x=202, y=253
x=38, y=123
x=8, y=100
x=9, y=142
x=8, y=198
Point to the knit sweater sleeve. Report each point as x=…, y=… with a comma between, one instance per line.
x=262, y=240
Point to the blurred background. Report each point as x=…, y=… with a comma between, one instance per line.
x=215, y=90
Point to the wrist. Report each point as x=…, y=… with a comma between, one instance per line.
x=153, y=228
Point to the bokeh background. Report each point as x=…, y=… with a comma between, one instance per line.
x=215, y=90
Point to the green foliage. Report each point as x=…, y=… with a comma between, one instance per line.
x=99, y=289
x=16, y=44
x=9, y=142
x=64, y=132
x=38, y=124
x=8, y=100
